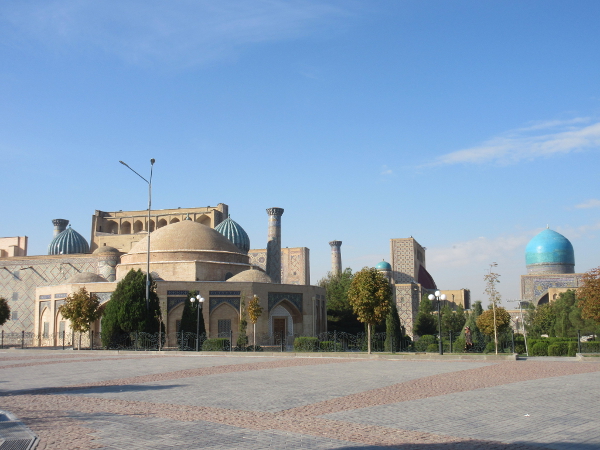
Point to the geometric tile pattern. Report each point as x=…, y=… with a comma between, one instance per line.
x=19, y=278
x=534, y=287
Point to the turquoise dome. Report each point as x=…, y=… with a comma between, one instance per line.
x=383, y=266
x=549, y=248
x=235, y=233
x=68, y=242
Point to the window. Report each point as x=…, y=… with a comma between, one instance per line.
x=61, y=327
x=224, y=326
x=15, y=315
x=15, y=296
x=46, y=331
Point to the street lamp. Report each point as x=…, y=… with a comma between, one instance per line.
x=200, y=301
x=439, y=296
x=149, y=206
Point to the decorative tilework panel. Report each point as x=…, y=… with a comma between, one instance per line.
x=224, y=293
x=103, y=296
x=63, y=295
x=276, y=297
x=178, y=293
x=214, y=302
x=172, y=302
x=45, y=297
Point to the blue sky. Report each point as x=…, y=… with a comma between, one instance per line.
x=468, y=125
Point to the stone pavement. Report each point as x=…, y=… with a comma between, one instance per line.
x=136, y=400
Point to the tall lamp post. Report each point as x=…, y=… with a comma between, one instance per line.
x=439, y=296
x=200, y=300
x=149, y=207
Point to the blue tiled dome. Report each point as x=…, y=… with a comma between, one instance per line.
x=235, y=233
x=383, y=266
x=548, y=249
x=68, y=242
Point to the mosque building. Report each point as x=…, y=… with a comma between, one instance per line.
x=550, y=261
x=200, y=249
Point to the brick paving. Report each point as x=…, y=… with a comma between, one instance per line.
x=133, y=401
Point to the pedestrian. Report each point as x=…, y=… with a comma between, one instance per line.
x=468, y=340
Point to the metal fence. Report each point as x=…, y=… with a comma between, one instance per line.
x=332, y=341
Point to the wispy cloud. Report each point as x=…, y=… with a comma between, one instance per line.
x=386, y=171
x=542, y=139
x=591, y=203
x=182, y=32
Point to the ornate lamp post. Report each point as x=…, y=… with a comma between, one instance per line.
x=200, y=301
x=439, y=296
x=149, y=206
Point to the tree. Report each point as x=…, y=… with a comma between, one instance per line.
x=370, y=295
x=242, y=340
x=425, y=322
x=485, y=322
x=81, y=309
x=541, y=320
x=394, y=331
x=189, y=315
x=340, y=315
x=126, y=310
x=4, y=311
x=254, y=312
x=491, y=280
x=589, y=294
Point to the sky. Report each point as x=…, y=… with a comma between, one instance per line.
x=468, y=125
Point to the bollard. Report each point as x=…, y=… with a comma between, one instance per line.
x=92, y=340
x=282, y=342
x=513, y=341
x=23, y=339
x=63, y=339
x=181, y=343
x=578, y=341
x=230, y=340
x=2, y=345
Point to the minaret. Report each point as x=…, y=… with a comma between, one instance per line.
x=60, y=225
x=336, y=257
x=274, y=244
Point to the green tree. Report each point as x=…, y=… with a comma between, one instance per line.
x=589, y=294
x=485, y=322
x=394, y=331
x=370, y=295
x=126, y=310
x=340, y=315
x=4, y=311
x=425, y=323
x=254, y=312
x=189, y=315
x=541, y=319
x=242, y=340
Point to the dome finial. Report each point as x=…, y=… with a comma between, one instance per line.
x=547, y=226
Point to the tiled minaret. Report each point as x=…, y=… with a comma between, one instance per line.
x=274, y=244
x=336, y=257
x=60, y=225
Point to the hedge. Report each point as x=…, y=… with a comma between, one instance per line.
x=306, y=344
x=539, y=349
x=424, y=342
x=330, y=346
x=216, y=345
x=558, y=349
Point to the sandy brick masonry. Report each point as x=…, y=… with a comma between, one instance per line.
x=134, y=401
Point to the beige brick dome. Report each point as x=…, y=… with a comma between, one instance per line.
x=251, y=276
x=185, y=236
x=86, y=277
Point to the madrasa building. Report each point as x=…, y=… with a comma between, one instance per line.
x=199, y=249
x=550, y=261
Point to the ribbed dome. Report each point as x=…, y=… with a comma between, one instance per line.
x=235, y=233
x=251, y=276
x=68, y=242
x=383, y=266
x=186, y=235
x=86, y=277
x=550, y=251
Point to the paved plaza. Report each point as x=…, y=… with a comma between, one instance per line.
x=137, y=400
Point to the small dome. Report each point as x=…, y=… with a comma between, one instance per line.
x=185, y=236
x=548, y=250
x=86, y=277
x=384, y=266
x=68, y=242
x=251, y=276
x=235, y=233
x=105, y=249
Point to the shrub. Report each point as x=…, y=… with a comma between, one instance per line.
x=590, y=347
x=306, y=344
x=458, y=346
x=540, y=348
x=330, y=346
x=433, y=348
x=558, y=349
x=490, y=347
x=572, y=349
x=216, y=345
x=520, y=348
x=424, y=342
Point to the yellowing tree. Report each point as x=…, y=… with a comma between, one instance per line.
x=254, y=312
x=589, y=293
x=485, y=322
x=81, y=309
x=370, y=296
